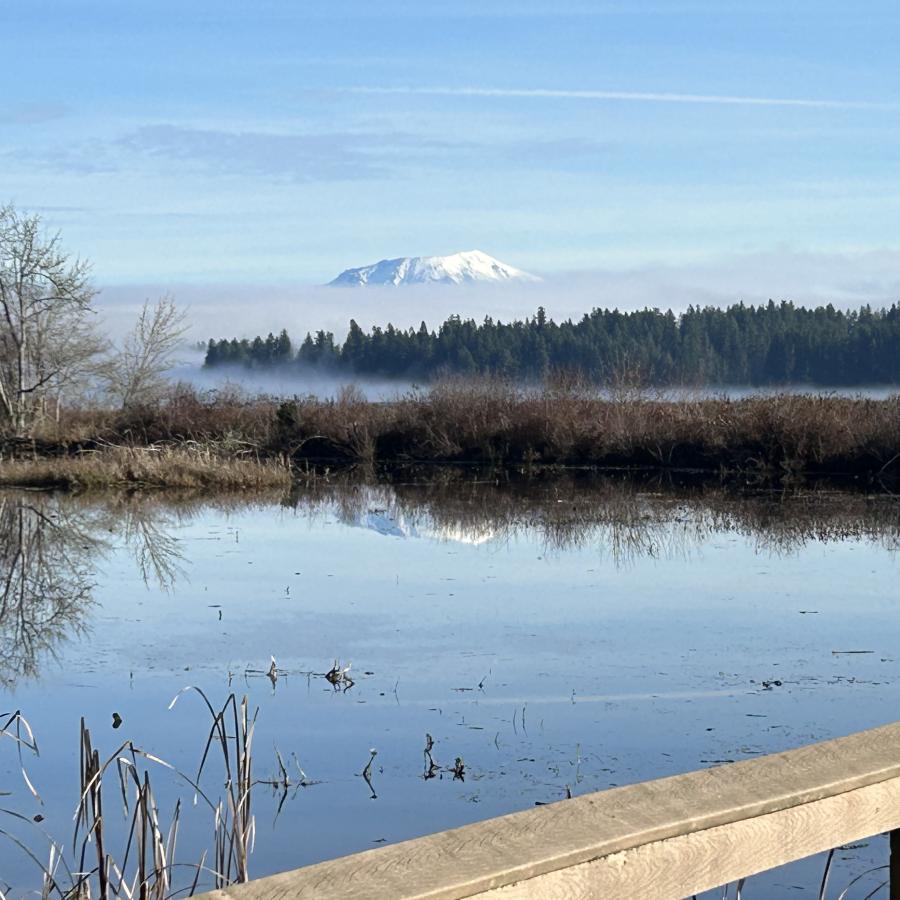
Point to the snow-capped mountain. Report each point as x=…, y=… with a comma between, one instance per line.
x=459, y=268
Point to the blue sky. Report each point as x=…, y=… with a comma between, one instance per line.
x=225, y=142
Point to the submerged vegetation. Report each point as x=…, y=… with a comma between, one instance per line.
x=223, y=439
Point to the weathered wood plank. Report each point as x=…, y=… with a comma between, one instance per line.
x=685, y=865
x=511, y=849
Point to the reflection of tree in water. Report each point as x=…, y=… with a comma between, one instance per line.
x=146, y=531
x=45, y=582
x=48, y=549
x=49, y=545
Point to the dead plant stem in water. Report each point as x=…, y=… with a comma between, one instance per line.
x=139, y=862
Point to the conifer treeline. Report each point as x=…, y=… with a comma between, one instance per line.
x=753, y=345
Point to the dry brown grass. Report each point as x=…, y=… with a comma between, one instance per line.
x=186, y=466
x=184, y=414
x=483, y=422
x=784, y=434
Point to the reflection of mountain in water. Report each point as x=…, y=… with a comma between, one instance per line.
x=397, y=524
x=622, y=518
x=50, y=545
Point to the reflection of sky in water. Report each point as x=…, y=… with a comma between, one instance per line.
x=593, y=673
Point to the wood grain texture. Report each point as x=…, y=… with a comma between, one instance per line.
x=512, y=849
x=681, y=866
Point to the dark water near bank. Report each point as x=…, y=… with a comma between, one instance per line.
x=560, y=634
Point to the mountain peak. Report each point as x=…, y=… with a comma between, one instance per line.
x=459, y=268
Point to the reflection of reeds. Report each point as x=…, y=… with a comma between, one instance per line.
x=50, y=544
x=623, y=517
x=139, y=859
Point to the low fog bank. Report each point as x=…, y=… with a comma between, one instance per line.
x=810, y=279
x=306, y=381
x=738, y=392
x=287, y=382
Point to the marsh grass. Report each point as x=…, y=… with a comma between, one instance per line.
x=122, y=846
x=187, y=466
x=493, y=422
x=193, y=439
x=231, y=732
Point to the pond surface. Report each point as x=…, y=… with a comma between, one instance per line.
x=549, y=636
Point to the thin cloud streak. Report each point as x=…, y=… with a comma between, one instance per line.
x=622, y=96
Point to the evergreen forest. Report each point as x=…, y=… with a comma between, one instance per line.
x=769, y=344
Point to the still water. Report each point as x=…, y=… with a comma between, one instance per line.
x=550, y=636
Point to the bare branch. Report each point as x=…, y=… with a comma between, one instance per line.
x=136, y=374
x=46, y=339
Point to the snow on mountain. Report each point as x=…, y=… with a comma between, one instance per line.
x=459, y=268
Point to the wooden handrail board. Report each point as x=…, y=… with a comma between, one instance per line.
x=703, y=860
x=476, y=858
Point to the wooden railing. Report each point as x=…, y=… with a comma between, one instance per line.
x=668, y=838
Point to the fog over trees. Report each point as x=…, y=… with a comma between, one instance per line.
x=768, y=344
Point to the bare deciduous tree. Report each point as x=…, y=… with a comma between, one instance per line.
x=137, y=373
x=46, y=338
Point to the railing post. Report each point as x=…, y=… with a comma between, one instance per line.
x=894, y=867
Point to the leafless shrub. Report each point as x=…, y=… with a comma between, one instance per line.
x=490, y=421
x=136, y=372
x=773, y=438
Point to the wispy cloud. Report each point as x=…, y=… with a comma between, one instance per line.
x=624, y=96
x=274, y=155
x=91, y=157
x=321, y=157
x=298, y=157
x=302, y=157
x=36, y=113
